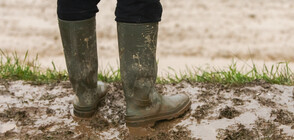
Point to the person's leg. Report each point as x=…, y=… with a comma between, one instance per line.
x=138, y=11
x=74, y=10
x=78, y=33
x=137, y=25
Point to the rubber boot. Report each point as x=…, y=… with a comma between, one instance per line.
x=137, y=50
x=80, y=50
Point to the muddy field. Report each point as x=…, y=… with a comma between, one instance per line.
x=193, y=33
x=252, y=111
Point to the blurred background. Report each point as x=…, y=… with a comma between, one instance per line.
x=193, y=33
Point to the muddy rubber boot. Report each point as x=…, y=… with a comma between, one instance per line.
x=79, y=44
x=137, y=50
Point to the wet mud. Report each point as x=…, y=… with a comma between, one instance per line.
x=261, y=129
x=252, y=111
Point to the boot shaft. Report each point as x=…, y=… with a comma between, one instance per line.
x=80, y=50
x=137, y=50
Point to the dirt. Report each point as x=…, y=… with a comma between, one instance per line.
x=261, y=129
x=266, y=102
x=283, y=116
x=237, y=102
x=228, y=112
x=208, y=34
x=178, y=132
x=29, y=111
x=202, y=111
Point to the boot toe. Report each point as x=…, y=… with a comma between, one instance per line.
x=181, y=98
x=176, y=101
x=170, y=107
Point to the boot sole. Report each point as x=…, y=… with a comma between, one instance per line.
x=88, y=113
x=149, y=122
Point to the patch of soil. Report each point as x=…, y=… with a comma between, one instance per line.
x=50, y=112
x=65, y=84
x=179, y=132
x=51, y=86
x=237, y=101
x=4, y=85
x=236, y=132
x=266, y=102
x=202, y=111
x=9, y=134
x=211, y=92
x=62, y=133
x=205, y=95
x=283, y=116
x=99, y=123
x=115, y=102
x=21, y=115
x=228, y=112
x=261, y=129
x=243, y=91
x=49, y=97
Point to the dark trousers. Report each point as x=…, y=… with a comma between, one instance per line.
x=130, y=11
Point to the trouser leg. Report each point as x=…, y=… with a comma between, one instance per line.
x=138, y=11
x=130, y=11
x=72, y=10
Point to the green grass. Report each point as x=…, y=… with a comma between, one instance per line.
x=14, y=68
x=276, y=74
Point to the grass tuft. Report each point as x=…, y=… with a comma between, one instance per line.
x=14, y=68
x=276, y=74
x=109, y=75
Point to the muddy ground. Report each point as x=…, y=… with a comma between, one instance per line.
x=252, y=111
x=192, y=33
